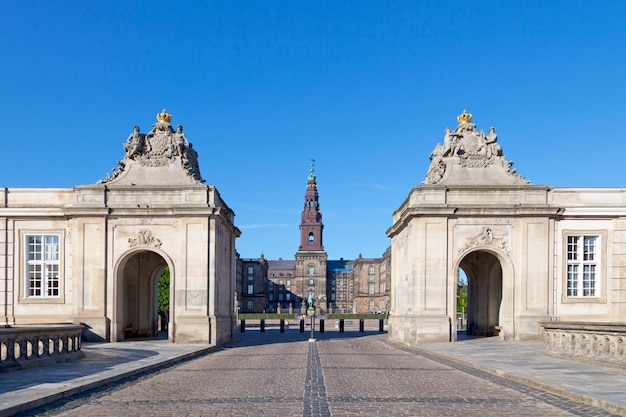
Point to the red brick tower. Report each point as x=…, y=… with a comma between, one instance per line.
x=311, y=257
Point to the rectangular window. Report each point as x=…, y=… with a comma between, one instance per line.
x=371, y=305
x=250, y=270
x=311, y=270
x=42, y=266
x=311, y=282
x=250, y=305
x=250, y=289
x=370, y=289
x=250, y=277
x=271, y=296
x=288, y=282
x=288, y=296
x=371, y=270
x=583, y=274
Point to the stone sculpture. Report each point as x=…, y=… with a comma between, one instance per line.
x=465, y=150
x=161, y=147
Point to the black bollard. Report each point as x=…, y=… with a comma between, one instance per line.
x=381, y=325
x=282, y=325
x=341, y=323
x=262, y=325
x=243, y=325
x=361, y=325
x=321, y=325
x=301, y=326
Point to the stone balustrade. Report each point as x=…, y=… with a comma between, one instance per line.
x=37, y=345
x=590, y=342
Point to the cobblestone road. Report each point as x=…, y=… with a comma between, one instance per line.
x=350, y=374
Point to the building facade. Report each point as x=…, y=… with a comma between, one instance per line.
x=252, y=294
x=372, y=284
x=93, y=254
x=531, y=253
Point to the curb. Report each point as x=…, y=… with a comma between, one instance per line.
x=65, y=393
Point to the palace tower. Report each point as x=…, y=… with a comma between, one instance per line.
x=310, y=275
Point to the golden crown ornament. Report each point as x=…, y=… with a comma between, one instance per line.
x=464, y=117
x=163, y=117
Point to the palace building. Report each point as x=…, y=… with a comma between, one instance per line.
x=284, y=285
x=92, y=254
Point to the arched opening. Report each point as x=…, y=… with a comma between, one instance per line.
x=140, y=282
x=484, y=293
x=311, y=238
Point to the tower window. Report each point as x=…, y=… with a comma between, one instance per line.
x=311, y=238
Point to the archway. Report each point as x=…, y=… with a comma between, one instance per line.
x=484, y=293
x=138, y=282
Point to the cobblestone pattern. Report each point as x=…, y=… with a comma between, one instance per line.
x=285, y=375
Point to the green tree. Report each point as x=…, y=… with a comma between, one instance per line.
x=163, y=290
x=461, y=296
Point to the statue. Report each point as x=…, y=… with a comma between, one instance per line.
x=450, y=143
x=179, y=143
x=133, y=143
x=493, y=148
x=310, y=300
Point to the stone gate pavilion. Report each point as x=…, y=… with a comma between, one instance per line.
x=533, y=254
x=92, y=254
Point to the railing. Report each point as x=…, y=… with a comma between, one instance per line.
x=30, y=346
x=595, y=342
x=321, y=325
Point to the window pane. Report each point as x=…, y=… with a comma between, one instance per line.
x=34, y=248
x=572, y=280
x=572, y=248
x=35, y=280
x=589, y=280
x=52, y=248
x=589, y=248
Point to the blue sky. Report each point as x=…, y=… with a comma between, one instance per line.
x=261, y=87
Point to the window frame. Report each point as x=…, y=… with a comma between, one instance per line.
x=599, y=262
x=25, y=262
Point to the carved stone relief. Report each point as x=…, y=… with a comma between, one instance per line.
x=486, y=238
x=144, y=238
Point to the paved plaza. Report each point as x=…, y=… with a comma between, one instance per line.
x=340, y=374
